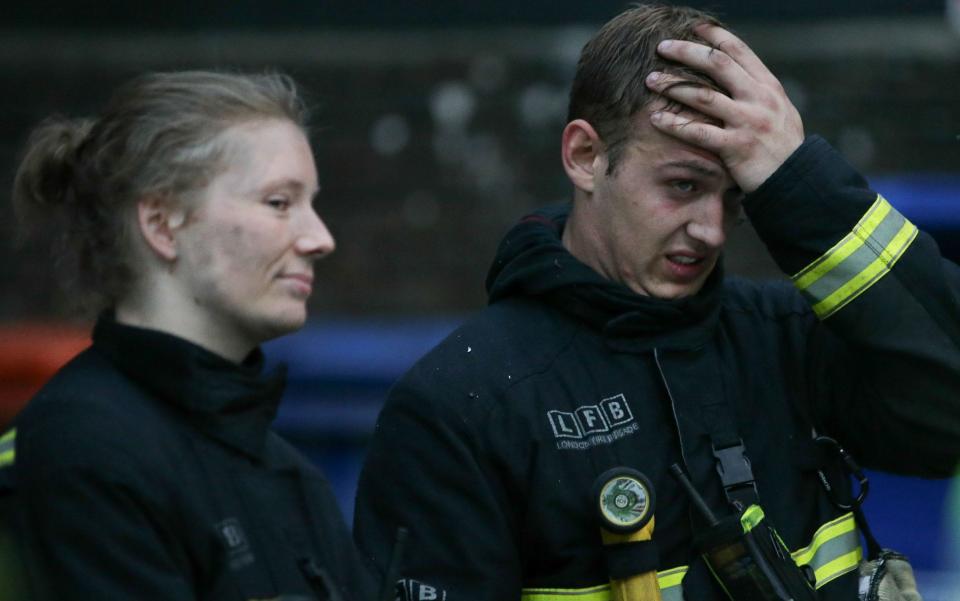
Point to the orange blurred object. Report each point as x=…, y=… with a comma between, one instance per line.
x=30, y=353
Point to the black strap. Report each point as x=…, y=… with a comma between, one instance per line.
x=629, y=559
x=818, y=453
x=851, y=469
x=720, y=422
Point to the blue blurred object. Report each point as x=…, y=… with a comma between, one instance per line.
x=339, y=373
x=930, y=199
x=909, y=515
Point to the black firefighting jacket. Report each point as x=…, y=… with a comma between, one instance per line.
x=488, y=448
x=145, y=469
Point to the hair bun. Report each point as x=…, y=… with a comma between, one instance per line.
x=47, y=175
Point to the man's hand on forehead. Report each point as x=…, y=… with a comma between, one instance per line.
x=753, y=130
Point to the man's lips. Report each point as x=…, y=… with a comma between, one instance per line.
x=686, y=266
x=685, y=259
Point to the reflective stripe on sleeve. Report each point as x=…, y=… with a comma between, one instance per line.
x=7, y=448
x=834, y=551
x=858, y=261
x=593, y=593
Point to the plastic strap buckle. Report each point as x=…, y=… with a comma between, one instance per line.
x=736, y=474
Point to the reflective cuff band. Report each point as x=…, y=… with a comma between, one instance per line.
x=834, y=551
x=858, y=261
x=7, y=448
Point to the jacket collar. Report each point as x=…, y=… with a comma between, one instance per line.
x=532, y=261
x=231, y=403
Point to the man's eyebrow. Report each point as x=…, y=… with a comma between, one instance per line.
x=697, y=166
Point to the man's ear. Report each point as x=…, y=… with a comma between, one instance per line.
x=158, y=218
x=582, y=154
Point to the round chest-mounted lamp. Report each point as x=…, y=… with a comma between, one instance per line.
x=625, y=499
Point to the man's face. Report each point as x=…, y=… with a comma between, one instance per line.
x=662, y=216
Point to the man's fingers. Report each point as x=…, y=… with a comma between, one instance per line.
x=758, y=126
x=693, y=131
x=715, y=63
x=694, y=95
x=736, y=49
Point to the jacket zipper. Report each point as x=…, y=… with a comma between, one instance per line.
x=673, y=408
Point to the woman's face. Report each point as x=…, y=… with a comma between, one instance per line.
x=246, y=253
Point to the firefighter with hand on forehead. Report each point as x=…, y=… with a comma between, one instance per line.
x=612, y=338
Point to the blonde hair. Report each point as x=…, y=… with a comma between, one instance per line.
x=159, y=134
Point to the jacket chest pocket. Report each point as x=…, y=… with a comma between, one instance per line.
x=263, y=543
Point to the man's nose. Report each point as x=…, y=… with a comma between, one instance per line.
x=708, y=223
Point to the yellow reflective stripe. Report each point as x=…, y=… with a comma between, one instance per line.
x=834, y=551
x=593, y=593
x=859, y=283
x=674, y=593
x=671, y=578
x=668, y=580
x=858, y=261
x=752, y=516
x=838, y=567
x=827, y=532
x=846, y=247
x=8, y=447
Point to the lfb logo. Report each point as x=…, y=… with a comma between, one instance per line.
x=414, y=590
x=231, y=533
x=591, y=419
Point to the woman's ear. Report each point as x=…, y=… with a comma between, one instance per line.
x=158, y=218
x=581, y=152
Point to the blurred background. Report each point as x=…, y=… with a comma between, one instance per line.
x=436, y=126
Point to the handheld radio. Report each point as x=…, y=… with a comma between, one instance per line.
x=746, y=555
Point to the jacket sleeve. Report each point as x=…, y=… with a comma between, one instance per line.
x=427, y=471
x=883, y=357
x=87, y=530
